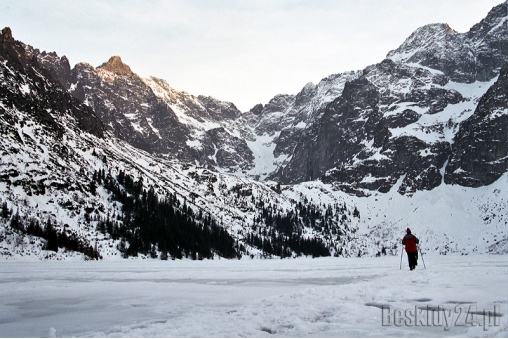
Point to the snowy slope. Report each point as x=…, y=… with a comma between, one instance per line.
x=448, y=219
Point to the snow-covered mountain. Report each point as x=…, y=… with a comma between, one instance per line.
x=403, y=116
x=418, y=140
x=65, y=175
x=151, y=115
x=418, y=96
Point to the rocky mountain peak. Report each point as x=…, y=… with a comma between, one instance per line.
x=115, y=65
x=308, y=87
x=257, y=109
x=494, y=23
x=437, y=46
x=450, y=30
x=433, y=31
x=12, y=50
x=424, y=38
x=6, y=35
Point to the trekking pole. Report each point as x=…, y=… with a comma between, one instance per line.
x=401, y=252
x=419, y=249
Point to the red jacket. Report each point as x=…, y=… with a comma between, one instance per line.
x=410, y=241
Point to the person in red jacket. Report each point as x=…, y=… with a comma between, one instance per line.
x=411, y=242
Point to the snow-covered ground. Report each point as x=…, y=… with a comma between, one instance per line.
x=325, y=297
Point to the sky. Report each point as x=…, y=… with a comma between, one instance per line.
x=240, y=51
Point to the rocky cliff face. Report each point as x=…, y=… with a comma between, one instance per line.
x=29, y=90
x=151, y=115
x=279, y=125
x=480, y=147
x=398, y=120
x=212, y=138
x=125, y=104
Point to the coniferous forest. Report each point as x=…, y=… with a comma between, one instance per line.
x=149, y=224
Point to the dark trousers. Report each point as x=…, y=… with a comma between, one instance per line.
x=412, y=257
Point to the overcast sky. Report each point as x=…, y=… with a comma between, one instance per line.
x=240, y=51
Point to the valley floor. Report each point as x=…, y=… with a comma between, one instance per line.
x=325, y=297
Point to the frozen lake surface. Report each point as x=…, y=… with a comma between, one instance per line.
x=325, y=297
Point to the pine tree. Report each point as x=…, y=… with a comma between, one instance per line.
x=93, y=188
x=51, y=236
x=5, y=210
